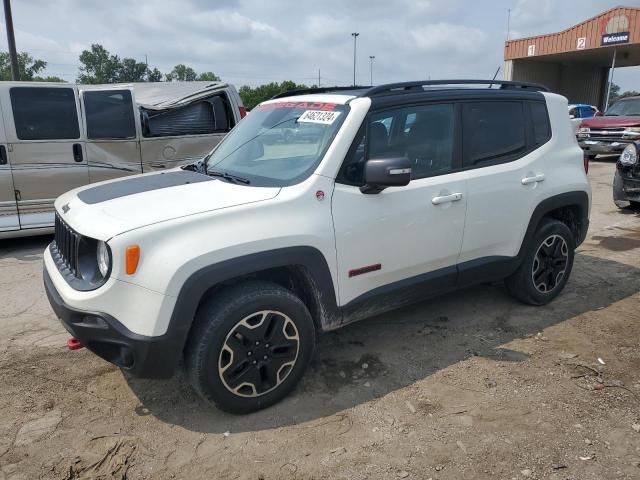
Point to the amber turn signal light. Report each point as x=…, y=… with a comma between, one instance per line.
x=132, y=258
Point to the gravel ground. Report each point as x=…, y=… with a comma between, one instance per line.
x=471, y=385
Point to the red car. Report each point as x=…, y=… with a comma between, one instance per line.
x=612, y=132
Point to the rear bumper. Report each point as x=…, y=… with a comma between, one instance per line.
x=142, y=356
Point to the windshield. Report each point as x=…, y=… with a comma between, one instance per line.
x=278, y=144
x=625, y=107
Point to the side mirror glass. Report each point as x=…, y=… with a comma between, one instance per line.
x=380, y=173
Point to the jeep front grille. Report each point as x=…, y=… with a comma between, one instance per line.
x=66, y=245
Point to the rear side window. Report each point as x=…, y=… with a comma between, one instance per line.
x=109, y=115
x=494, y=132
x=45, y=113
x=212, y=115
x=540, y=121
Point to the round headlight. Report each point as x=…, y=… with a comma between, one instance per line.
x=629, y=156
x=103, y=258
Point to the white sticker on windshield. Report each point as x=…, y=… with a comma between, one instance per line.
x=318, y=116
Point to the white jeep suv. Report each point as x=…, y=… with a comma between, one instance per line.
x=386, y=195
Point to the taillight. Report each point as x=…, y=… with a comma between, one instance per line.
x=586, y=163
x=243, y=112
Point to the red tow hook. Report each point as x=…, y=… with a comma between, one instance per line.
x=74, y=344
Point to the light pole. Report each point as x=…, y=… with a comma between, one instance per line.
x=355, y=37
x=11, y=41
x=371, y=57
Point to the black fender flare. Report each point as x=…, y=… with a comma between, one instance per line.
x=198, y=283
x=578, y=199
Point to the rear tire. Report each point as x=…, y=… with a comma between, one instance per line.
x=546, y=267
x=251, y=345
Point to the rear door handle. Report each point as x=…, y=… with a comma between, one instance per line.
x=77, y=152
x=3, y=155
x=534, y=179
x=454, y=197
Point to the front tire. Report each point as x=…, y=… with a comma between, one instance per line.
x=547, y=265
x=250, y=346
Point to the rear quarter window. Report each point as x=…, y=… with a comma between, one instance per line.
x=494, y=132
x=540, y=123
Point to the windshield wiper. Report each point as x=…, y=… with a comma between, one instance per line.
x=229, y=177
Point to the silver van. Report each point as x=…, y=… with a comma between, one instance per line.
x=56, y=137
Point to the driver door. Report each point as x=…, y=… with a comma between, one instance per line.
x=404, y=236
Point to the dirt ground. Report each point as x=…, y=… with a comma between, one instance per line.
x=472, y=385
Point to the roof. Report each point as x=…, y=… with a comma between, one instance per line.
x=163, y=95
x=580, y=38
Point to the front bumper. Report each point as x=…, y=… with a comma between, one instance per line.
x=142, y=356
x=603, y=147
x=630, y=185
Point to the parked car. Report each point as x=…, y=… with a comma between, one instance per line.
x=56, y=137
x=626, y=180
x=581, y=110
x=234, y=264
x=612, y=132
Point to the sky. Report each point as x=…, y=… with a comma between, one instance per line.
x=250, y=42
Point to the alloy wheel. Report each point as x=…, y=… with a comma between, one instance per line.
x=550, y=263
x=259, y=353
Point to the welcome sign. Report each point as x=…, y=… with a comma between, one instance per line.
x=615, y=38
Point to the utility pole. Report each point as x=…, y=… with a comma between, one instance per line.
x=613, y=68
x=11, y=41
x=508, y=24
x=355, y=37
x=318, y=78
x=371, y=57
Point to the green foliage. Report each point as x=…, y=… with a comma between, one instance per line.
x=181, y=73
x=209, y=77
x=28, y=67
x=98, y=66
x=48, y=78
x=252, y=96
x=154, y=75
x=132, y=71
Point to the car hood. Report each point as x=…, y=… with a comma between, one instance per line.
x=106, y=209
x=611, y=122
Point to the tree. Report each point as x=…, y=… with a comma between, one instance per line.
x=48, y=78
x=131, y=70
x=98, y=66
x=27, y=66
x=209, y=77
x=253, y=96
x=615, y=94
x=154, y=75
x=181, y=73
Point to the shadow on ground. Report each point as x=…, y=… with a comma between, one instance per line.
x=27, y=249
x=377, y=356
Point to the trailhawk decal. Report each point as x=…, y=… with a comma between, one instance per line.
x=318, y=116
x=327, y=107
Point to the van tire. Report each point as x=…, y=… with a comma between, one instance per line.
x=552, y=248
x=230, y=345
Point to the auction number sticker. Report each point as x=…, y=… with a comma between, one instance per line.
x=318, y=116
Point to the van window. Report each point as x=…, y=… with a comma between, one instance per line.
x=44, y=113
x=109, y=114
x=494, y=132
x=208, y=116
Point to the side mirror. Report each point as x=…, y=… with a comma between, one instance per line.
x=380, y=173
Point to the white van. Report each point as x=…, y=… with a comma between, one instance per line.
x=57, y=136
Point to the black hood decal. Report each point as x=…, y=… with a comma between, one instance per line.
x=145, y=183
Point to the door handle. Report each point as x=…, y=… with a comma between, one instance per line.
x=534, y=179
x=454, y=197
x=3, y=155
x=77, y=152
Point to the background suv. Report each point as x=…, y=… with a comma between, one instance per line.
x=235, y=263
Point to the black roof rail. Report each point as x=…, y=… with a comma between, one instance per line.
x=305, y=91
x=406, y=87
